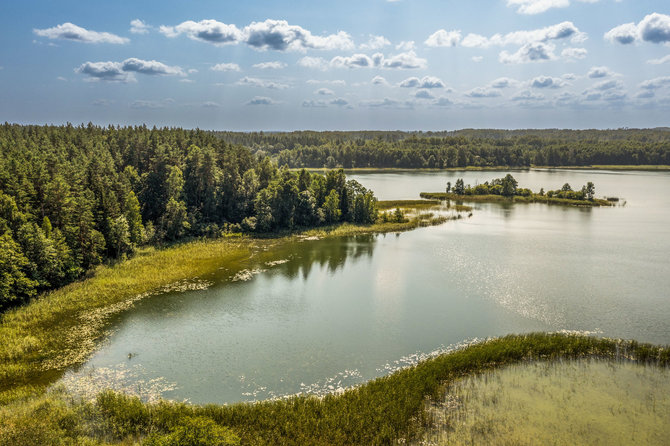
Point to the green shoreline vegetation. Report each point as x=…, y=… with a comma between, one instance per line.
x=506, y=190
x=383, y=411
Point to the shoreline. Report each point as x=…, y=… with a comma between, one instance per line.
x=363, y=170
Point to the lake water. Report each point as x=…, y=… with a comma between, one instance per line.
x=336, y=312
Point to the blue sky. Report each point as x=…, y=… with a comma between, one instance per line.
x=366, y=64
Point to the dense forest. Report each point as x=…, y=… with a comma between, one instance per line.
x=463, y=148
x=74, y=197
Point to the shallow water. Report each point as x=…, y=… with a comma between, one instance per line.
x=591, y=402
x=321, y=315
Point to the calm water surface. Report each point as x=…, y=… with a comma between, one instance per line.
x=340, y=311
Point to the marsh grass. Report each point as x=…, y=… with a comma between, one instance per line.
x=383, y=411
x=585, y=401
x=384, y=205
x=535, y=198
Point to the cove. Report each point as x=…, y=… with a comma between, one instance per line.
x=320, y=315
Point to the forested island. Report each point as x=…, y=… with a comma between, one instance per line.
x=506, y=189
x=485, y=148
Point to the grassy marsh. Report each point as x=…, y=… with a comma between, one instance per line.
x=589, y=401
x=383, y=411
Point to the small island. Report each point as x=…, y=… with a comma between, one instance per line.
x=506, y=190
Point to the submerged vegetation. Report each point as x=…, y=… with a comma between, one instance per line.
x=506, y=189
x=585, y=401
x=382, y=411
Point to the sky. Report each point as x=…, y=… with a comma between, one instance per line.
x=341, y=65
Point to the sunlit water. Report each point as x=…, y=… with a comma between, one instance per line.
x=590, y=402
x=332, y=313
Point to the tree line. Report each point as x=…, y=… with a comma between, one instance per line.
x=463, y=148
x=508, y=187
x=74, y=197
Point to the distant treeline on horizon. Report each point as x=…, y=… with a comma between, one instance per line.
x=460, y=148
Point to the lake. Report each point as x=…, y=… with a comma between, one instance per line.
x=320, y=315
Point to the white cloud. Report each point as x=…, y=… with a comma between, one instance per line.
x=503, y=82
x=401, y=61
x=378, y=80
x=262, y=100
x=574, y=53
x=539, y=6
x=477, y=59
x=317, y=63
x=137, y=26
x=279, y=35
x=314, y=104
x=530, y=52
x=375, y=43
x=406, y=45
x=423, y=94
x=443, y=38
x=152, y=104
x=425, y=82
x=654, y=28
x=270, y=65
x=325, y=92
x=599, y=72
x=123, y=71
x=70, y=31
x=271, y=34
x=527, y=95
x=656, y=83
x=225, y=67
x=327, y=82
x=560, y=31
x=106, y=71
x=210, y=104
x=608, y=85
x=150, y=67
x=386, y=102
x=405, y=61
x=547, y=82
x=482, y=93
x=443, y=102
x=340, y=102
x=660, y=61
x=261, y=83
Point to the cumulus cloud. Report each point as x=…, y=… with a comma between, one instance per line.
x=378, y=80
x=425, y=82
x=150, y=67
x=386, y=102
x=539, y=6
x=328, y=82
x=654, y=28
x=560, y=31
x=530, y=52
x=316, y=63
x=477, y=59
x=574, y=53
x=261, y=100
x=70, y=31
x=261, y=83
x=225, y=67
x=137, y=26
x=271, y=34
x=314, y=104
x=599, y=72
x=547, y=82
x=401, y=61
x=152, y=104
x=375, y=43
x=123, y=71
x=443, y=102
x=443, y=38
x=210, y=104
x=502, y=82
x=270, y=65
x=340, y=102
x=527, y=95
x=480, y=92
x=423, y=94
x=325, y=92
x=106, y=71
x=406, y=45
x=608, y=85
x=656, y=83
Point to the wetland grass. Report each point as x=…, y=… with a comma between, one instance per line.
x=383, y=411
